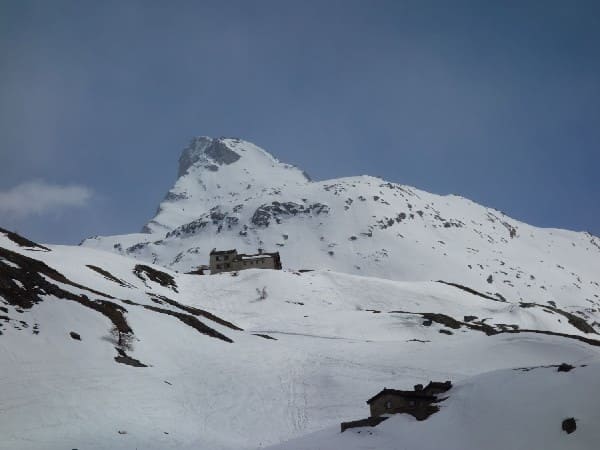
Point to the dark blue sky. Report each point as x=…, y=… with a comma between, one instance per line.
x=499, y=103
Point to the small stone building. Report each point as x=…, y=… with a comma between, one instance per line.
x=231, y=261
x=419, y=403
x=393, y=401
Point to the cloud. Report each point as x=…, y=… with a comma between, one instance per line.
x=39, y=197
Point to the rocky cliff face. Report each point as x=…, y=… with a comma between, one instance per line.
x=207, y=153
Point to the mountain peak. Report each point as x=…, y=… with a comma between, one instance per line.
x=212, y=171
x=208, y=152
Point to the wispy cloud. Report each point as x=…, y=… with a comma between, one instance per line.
x=39, y=197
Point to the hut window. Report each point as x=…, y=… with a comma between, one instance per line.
x=388, y=404
x=218, y=266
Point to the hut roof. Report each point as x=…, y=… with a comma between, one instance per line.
x=399, y=393
x=222, y=252
x=258, y=255
x=441, y=385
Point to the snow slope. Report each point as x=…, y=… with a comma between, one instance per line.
x=232, y=194
x=257, y=372
x=507, y=409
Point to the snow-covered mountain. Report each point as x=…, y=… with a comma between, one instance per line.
x=99, y=351
x=121, y=349
x=231, y=194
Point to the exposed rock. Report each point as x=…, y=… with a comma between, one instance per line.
x=208, y=151
x=470, y=290
x=21, y=241
x=220, y=153
x=278, y=210
x=189, y=228
x=574, y=320
x=172, y=196
x=164, y=279
x=569, y=425
x=265, y=336
x=564, y=367
x=137, y=247
x=106, y=274
x=191, y=321
x=124, y=358
x=161, y=299
x=75, y=336
x=443, y=320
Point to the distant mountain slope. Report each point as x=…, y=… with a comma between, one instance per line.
x=232, y=194
x=99, y=350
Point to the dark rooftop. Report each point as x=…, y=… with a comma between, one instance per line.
x=214, y=251
x=399, y=393
x=445, y=385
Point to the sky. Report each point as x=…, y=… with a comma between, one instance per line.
x=496, y=101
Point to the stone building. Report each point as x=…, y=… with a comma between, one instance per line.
x=231, y=260
x=419, y=403
x=392, y=401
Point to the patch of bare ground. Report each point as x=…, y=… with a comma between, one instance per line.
x=32, y=274
x=144, y=272
x=33, y=277
x=472, y=291
x=563, y=367
x=265, y=336
x=574, y=320
x=188, y=319
x=124, y=358
x=194, y=311
x=23, y=242
x=106, y=274
x=489, y=330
